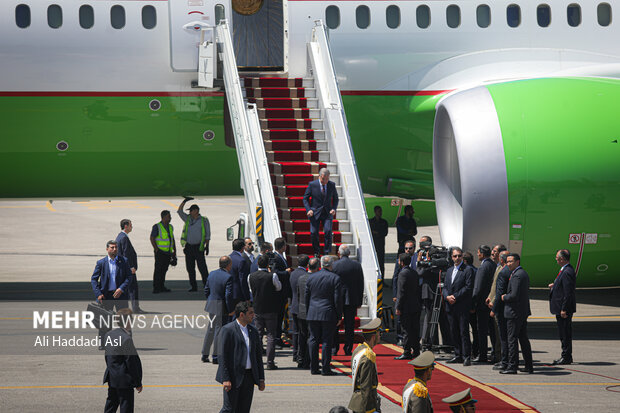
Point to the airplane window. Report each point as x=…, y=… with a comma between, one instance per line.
x=603, y=12
x=54, y=16
x=22, y=16
x=362, y=17
x=573, y=15
x=392, y=16
x=117, y=17
x=332, y=17
x=149, y=17
x=220, y=13
x=483, y=16
x=513, y=15
x=87, y=17
x=453, y=16
x=543, y=15
x=423, y=16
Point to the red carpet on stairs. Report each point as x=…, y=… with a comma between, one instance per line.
x=394, y=374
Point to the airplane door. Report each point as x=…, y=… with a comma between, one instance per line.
x=187, y=18
x=258, y=34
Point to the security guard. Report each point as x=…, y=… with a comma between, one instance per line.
x=461, y=402
x=364, y=371
x=195, y=242
x=162, y=240
x=415, y=394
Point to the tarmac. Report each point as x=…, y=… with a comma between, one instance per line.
x=48, y=252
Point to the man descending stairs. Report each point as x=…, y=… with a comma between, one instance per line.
x=296, y=150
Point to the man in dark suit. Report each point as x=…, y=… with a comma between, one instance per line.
x=482, y=286
x=497, y=310
x=457, y=294
x=265, y=287
x=240, y=270
x=321, y=202
x=563, y=304
x=324, y=302
x=379, y=230
x=410, y=250
x=303, y=355
x=248, y=250
x=352, y=283
x=408, y=307
x=110, y=281
x=218, y=292
x=516, y=311
x=284, y=295
x=406, y=228
x=302, y=263
x=123, y=371
x=126, y=250
x=241, y=361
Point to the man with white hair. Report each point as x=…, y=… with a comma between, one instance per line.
x=321, y=202
x=352, y=282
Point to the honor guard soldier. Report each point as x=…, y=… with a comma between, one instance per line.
x=461, y=402
x=364, y=371
x=415, y=394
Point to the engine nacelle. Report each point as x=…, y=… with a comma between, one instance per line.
x=535, y=165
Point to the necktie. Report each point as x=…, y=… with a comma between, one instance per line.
x=323, y=189
x=556, y=277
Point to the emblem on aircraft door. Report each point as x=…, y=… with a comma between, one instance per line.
x=247, y=7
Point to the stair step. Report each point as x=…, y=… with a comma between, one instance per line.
x=299, y=214
x=291, y=123
x=273, y=134
x=279, y=168
x=288, y=225
x=303, y=237
x=296, y=190
x=285, y=102
x=297, y=179
x=279, y=92
x=296, y=201
x=298, y=113
x=256, y=82
x=298, y=155
x=307, y=249
x=293, y=145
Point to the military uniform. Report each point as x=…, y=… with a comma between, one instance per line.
x=415, y=394
x=364, y=373
x=462, y=398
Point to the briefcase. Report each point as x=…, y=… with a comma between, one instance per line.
x=103, y=317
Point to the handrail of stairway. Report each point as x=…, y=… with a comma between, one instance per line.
x=337, y=132
x=246, y=134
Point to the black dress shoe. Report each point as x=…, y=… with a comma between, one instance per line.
x=165, y=290
x=192, y=290
x=562, y=361
x=204, y=359
x=508, y=372
x=499, y=366
x=272, y=366
x=467, y=361
x=328, y=373
x=399, y=343
x=156, y=291
x=315, y=372
x=455, y=360
x=480, y=360
x=215, y=361
x=528, y=370
x=303, y=366
x=404, y=356
x=139, y=311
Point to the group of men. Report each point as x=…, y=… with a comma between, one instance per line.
x=492, y=299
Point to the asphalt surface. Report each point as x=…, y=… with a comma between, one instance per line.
x=48, y=252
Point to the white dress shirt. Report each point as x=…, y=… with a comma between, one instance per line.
x=246, y=337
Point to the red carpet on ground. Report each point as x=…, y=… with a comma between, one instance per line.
x=394, y=374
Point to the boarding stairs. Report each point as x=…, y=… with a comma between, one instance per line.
x=286, y=130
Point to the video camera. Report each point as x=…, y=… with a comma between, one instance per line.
x=436, y=257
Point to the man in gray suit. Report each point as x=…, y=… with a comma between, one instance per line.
x=303, y=356
x=324, y=303
x=218, y=291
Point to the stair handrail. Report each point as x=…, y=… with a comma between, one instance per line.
x=252, y=162
x=337, y=133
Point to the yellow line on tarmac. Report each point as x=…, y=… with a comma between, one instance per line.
x=579, y=317
x=21, y=206
x=554, y=384
x=85, y=386
x=170, y=203
x=474, y=383
x=15, y=318
x=49, y=206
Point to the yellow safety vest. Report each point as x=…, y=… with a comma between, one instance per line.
x=164, y=240
x=184, y=234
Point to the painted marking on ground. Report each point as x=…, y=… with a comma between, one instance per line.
x=517, y=404
x=99, y=386
x=112, y=204
x=170, y=203
x=553, y=384
x=49, y=206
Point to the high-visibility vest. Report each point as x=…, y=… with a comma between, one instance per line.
x=164, y=240
x=204, y=233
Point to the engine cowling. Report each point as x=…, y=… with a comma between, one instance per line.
x=533, y=164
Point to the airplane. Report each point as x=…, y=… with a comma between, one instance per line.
x=504, y=112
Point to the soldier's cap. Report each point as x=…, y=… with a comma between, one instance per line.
x=372, y=326
x=194, y=206
x=423, y=361
x=460, y=398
